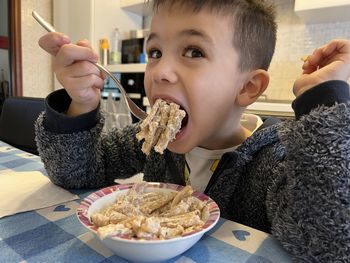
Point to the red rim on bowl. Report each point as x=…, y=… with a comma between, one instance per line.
x=82, y=210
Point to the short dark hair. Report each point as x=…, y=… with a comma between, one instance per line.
x=254, y=27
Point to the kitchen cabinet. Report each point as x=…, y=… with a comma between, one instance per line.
x=281, y=110
x=93, y=19
x=97, y=19
x=322, y=11
x=137, y=6
x=284, y=110
x=127, y=68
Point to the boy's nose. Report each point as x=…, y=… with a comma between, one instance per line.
x=164, y=71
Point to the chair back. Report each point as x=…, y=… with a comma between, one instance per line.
x=17, y=122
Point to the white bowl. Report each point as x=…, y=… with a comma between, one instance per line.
x=141, y=250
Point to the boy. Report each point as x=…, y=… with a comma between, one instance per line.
x=211, y=57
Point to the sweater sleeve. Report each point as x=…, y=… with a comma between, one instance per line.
x=327, y=93
x=309, y=208
x=56, y=121
x=75, y=151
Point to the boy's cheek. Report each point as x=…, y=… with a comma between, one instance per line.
x=147, y=87
x=148, y=94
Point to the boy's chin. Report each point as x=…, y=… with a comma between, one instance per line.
x=178, y=148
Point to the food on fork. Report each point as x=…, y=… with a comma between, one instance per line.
x=152, y=215
x=160, y=126
x=304, y=58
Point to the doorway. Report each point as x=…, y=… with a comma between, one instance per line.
x=10, y=47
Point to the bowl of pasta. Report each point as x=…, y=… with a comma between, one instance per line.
x=148, y=222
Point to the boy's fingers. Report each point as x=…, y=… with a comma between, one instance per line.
x=70, y=53
x=103, y=75
x=340, y=46
x=53, y=41
x=84, y=83
x=84, y=43
x=336, y=50
x=316, y=56
x=81, y=68
x=315, y=60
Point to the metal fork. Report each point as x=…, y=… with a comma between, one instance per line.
x=133, y=108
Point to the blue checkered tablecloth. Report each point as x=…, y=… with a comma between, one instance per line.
x=54, y=234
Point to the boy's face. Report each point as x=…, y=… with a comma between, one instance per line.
x=192, y=62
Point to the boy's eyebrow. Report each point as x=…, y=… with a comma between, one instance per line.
x=194, y=32
x=187, y=32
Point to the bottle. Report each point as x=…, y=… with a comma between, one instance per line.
x=104, y=51
x=115, y=57
x=143, y=55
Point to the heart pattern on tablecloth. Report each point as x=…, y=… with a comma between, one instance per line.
x=61, y=208
x=241, y=235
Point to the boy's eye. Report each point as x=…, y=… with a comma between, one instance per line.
x=193, y=53
x=154, y=54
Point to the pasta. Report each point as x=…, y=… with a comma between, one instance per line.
x=151, y=215
x=160, y=126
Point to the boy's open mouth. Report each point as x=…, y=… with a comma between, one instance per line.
x=184, y=120
x=161, y=125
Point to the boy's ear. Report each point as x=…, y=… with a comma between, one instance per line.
x=256, y=83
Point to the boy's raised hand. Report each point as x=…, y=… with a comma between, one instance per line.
x=329, y=62
x=74, y=69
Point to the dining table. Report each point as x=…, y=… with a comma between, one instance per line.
x=54, y=233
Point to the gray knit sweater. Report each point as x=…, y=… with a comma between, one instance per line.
x=291, y=179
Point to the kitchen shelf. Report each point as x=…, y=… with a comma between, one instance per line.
x=260, y=108
x=138, y=7
x=323, y=11
x=127, y=68
x=271, y=108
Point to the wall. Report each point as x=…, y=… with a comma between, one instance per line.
x=296, y=39
x=4, y=54
x=36, y=64
x=3, y=18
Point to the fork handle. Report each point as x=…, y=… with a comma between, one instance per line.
x=42, y=22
